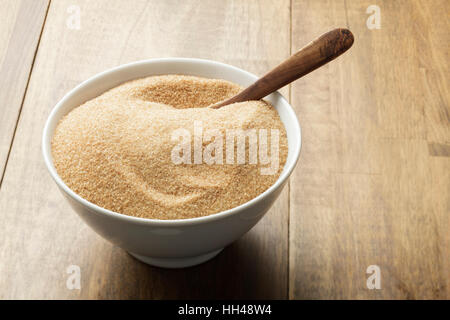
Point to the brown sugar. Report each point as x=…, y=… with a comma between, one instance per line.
x=151, y=148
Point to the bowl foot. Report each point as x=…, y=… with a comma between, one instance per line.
x=176, y=262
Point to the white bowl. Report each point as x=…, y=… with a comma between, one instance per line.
x=172, y=243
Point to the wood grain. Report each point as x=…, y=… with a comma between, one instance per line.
x=41, y=236
x=372, y=184
x=318, y=52
x=371, y=187
x=21, y=23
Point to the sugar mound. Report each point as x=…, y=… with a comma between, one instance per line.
x=116, y=150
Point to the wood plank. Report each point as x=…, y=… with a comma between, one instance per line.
x=41, y=236
x=21, y=23
x=368, y=190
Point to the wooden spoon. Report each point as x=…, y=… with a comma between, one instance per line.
x=327, y=47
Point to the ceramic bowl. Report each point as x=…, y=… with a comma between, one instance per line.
x=171, y=243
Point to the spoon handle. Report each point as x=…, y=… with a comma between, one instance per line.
x=327, y=47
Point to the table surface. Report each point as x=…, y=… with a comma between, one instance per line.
x=371, y=186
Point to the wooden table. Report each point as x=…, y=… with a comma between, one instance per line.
x=371, y=187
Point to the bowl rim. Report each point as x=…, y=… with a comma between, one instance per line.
x=46, y=150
